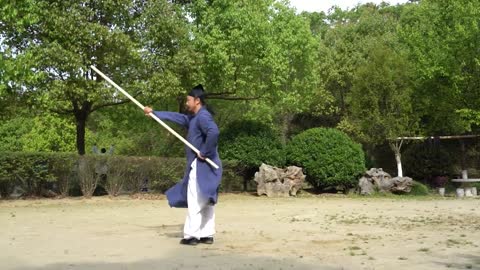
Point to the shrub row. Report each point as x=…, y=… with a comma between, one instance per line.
x=37, y=174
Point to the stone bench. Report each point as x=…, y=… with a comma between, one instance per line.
x=466, y=190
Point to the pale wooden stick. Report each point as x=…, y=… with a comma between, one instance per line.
x=154, y=116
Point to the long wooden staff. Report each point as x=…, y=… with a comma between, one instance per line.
x=154, y=116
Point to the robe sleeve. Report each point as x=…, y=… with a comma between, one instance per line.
x=210, y=131
x=177, y=118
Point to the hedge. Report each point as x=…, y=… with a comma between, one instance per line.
x=37, y=174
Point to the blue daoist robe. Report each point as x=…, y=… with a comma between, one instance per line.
x=203, y=134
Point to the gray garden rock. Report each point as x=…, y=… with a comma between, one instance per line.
x=277, y=182
x=402, y=184
x=377, y=179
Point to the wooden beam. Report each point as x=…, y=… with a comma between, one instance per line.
x=438, y=137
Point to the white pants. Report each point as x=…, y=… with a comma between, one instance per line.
x=200, y=221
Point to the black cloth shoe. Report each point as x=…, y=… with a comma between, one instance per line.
x=206, y=240
x=190, y=241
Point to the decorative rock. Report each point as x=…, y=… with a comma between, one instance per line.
x=402, y=184
x=277, y=182
x=474, y=191
x=376, y=178
x=366, y=186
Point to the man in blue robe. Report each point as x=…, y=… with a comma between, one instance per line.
x=198, y=190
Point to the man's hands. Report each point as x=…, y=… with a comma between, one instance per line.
x=147, y=110
x=201, y=157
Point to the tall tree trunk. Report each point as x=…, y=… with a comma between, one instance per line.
x=80, y=122
x=399, y=164
x=285, y=122
x=396, y=147
x=81, y=115
x=181, y=104
x=463, y=160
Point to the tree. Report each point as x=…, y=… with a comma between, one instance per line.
x=442, y=39
x=343, y=46
x=53, y=43
x=10, y=131
x=259, y=52
x=49, y=134
x=296, y=86
x=381, y=100
x=169, y=55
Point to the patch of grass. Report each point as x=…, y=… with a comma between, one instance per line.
x=419, y=189
x=356, y=248
x=458, y=243
x=453, y=242
x=402, y=258
x=424, y=250
x=395, y=197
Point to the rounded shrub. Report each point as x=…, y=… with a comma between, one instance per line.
x=328, y=156
x=251, y=143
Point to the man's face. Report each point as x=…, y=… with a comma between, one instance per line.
x=192, y=104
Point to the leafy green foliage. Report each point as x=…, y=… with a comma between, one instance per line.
x=424, y=161
x=374, y=71
x=131, y=133
x=380, y=99
x=418, y=189
x=262, y=51
x=117, y=168
x=54, y=43
x=50, y=134
x=62, y=167
x=68, y=173
x=328, y=156
x=88, y=175
x=42, y=133
x=10, y=132
x=31, y=171
x=8, y=167
x=442, y=37
x=251, y=143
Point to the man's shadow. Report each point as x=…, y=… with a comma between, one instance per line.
x=168, y=230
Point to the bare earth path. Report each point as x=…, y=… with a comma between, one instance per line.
x=311, y=232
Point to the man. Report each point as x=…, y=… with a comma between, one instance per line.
x=198, y=189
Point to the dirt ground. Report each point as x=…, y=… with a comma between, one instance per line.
x=307, y=232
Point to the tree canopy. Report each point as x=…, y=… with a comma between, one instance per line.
x=374, y=71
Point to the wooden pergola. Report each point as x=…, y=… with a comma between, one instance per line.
x=397, y=145
x=439, y=137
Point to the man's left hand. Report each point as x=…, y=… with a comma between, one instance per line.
x=147, y=110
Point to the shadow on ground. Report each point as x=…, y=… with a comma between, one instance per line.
x=187, y=260
x=468, y=261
